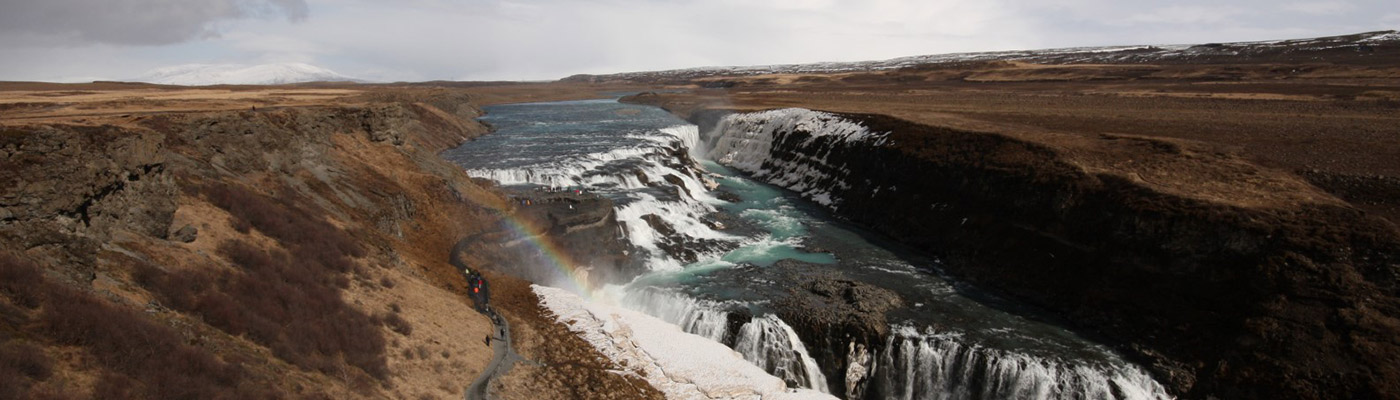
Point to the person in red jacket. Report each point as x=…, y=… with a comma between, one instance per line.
x=478, y=288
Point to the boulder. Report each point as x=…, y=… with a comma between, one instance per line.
x=185, y=234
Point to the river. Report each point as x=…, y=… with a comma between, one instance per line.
x=710, y=237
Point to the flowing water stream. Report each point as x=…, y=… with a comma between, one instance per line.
x=945, y=341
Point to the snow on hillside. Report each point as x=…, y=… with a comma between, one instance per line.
x=1073, y=55
x=679, y=364
x=233, y=74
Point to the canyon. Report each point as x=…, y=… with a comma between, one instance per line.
x=1222, y=216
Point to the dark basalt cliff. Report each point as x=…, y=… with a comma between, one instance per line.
x=1217, y=299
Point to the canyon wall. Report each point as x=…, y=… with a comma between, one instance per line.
x=1217, y=295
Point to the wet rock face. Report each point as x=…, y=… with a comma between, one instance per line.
x=830, y=313
x=659, y=224
x=680, y=246
x=727, y=196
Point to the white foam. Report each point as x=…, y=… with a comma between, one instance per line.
x=686, y=217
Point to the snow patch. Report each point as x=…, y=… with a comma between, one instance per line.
x=1383, y=37
x=679, y=364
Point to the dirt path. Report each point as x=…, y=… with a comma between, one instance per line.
x=504, y=357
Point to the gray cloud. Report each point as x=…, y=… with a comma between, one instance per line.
x=133, y=22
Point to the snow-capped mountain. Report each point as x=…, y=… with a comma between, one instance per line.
x=233, y=74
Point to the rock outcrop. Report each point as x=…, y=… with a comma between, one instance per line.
x=828, y=311
x=834, y=315
x=70, y=189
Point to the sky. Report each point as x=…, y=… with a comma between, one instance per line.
x=417, y=40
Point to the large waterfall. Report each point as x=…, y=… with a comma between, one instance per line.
x=940, y=344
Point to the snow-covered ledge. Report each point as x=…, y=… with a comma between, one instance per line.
x=679, y=364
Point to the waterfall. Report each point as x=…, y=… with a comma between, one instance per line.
x=689, y=136
x=645, y=178
x=765, y=145
x=771, y=344
x=910, y=365
x=663, y=201
x=927, y=365
x=699, y=317
x=791, y=148
x=765, y=341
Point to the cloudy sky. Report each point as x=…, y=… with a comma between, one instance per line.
x=76, y=40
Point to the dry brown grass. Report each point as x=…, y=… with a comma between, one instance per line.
x=291, y=304
x=139, y=357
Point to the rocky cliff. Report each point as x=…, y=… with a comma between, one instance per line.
x=206, y=248
x=1253, y=288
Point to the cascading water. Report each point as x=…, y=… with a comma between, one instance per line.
x=700, y=317
x=929, y=365
x=772, y=345
x=765, y=340
x=942, y=344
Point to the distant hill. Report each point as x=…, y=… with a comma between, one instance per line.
x=1361, y=48
x=234, y=74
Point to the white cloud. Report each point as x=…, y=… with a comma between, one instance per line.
x=1188, y=15
x=275, y=48
x=1320, y=7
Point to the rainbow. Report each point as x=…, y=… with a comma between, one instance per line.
x=555, y=255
